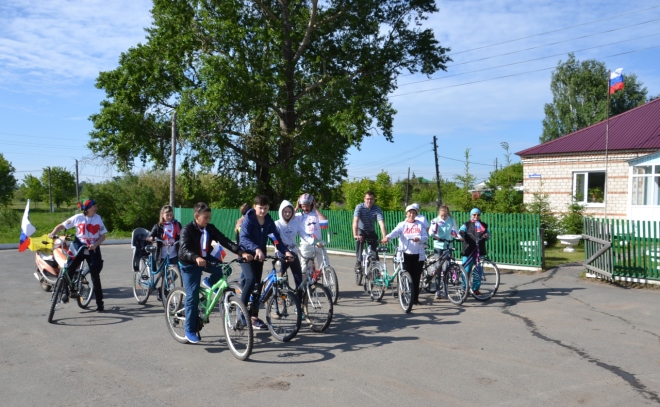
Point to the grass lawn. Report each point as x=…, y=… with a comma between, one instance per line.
x=44, y=222
x=555, y=255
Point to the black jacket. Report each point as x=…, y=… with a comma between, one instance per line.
x=189, y=245
x=467, y=232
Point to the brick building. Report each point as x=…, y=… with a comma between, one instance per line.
x=626, y=185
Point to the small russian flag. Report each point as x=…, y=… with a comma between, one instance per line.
x=324, y=224
x=274, y=239
x=26, y=229
x=454, y=233
x=616, y=81
x=219, y=252
x=478, y=227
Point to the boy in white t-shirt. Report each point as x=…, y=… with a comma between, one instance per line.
x=90, y=231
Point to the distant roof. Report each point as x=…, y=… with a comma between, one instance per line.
x=636, y=129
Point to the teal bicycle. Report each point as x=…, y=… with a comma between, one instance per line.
x=235, y=317
x=151, y=271
x=378, y=280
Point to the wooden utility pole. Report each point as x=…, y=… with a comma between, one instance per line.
x=173, y=169
x=407, y=186
x=437, y=172
x=77, y=184
x=50, y=191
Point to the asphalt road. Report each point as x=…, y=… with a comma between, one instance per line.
x=548, y=339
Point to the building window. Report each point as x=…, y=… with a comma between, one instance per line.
x=589, y=187
x=646, y=185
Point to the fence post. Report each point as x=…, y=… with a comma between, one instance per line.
x=542, y=243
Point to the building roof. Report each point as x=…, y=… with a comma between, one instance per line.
x=636, y=129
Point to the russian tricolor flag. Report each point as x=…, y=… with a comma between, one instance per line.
x=454, y=233
x=219, y=252
x=324, y=224
x=274, y=239
x=616, y=81
x=478, y=227
x=26, y=229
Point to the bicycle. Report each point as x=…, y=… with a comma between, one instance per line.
x=378, y=280
x=489, y=281
x=146, y=279
x=316, y=300
x=328, y=274
x=283, y=310
x=74, y=286
x=452, y=278
x=368, y=257
x=238, y=331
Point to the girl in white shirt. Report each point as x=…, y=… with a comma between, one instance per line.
x=412, y=236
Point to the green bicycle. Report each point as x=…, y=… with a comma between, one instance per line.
x=238, y=330
x=378, y=280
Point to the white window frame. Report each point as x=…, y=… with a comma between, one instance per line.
x=652, y=177
x=584, y=201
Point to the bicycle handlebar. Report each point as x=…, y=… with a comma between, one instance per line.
x=214, y=263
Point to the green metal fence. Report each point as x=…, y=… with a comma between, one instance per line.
x=515, y=238
x=635, y=249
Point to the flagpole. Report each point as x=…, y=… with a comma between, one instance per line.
x=607, y=139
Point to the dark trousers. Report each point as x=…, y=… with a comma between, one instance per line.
x=192, y=277
x=95, y=263
x=251, y=277
x=369, y=237
x=414, y=267
x=296, y=270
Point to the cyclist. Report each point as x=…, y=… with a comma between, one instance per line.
x=412, y=236
x=194, y=250
x=257, y=227
x=473, y=227
x=309, y=226
x=167, y=229
x=90, y=231
x=364, y=217
x=287, y=226
x=442, y=227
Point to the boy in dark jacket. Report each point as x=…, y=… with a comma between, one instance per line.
x=194, y=249
x=256, y=229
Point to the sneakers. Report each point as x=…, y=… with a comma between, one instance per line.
x=439, y=294
x=476, y=292
x=192, y=337
x=100, y=308
x=258, y=325
x=206, y=284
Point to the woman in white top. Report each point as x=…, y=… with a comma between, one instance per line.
x=412, y=236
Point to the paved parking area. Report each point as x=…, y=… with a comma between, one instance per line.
x=548, y=339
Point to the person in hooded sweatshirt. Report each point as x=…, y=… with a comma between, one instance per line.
x=287, y=226
x=256, y=229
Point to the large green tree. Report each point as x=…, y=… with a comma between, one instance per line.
x=269, y=92
x=62, y=184
x=579, y=97
x=33, y=189
x=7, y=181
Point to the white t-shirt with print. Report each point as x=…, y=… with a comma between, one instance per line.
x=310, y=228
x=88, y=230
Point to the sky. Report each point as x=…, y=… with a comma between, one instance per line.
x=493, y=91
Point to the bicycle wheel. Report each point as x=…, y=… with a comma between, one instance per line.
x=171, y=281
x=142, y=283
x=175, y=314
x=85, y=288
x=330, y=281
x=283, y=315
x=238, y=331
x=455, y=284
x=375, y=283
x=489, y=276
x=427, y=279
x=55, y=297
x=317, y=306
x=405, y=291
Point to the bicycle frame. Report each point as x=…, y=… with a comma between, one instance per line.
x=162, y=267
x=397, y=261
x=64, y=274
x=210, y=298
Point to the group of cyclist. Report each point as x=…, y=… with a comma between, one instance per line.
x=256, y=227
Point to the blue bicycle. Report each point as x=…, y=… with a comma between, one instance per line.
x=152, y=270
x=283, y=310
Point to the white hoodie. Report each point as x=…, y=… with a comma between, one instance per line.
x=288, y=230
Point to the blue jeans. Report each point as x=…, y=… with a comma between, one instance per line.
x=251, y=276
x=192, y=277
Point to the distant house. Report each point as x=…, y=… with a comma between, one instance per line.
x=574, y=166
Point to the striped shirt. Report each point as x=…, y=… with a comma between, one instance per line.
x=367, y=217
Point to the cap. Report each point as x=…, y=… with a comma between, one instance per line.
x=475, y=211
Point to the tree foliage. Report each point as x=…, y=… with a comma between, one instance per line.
x=550, y=223
x=462, y=198
x=579, y=97
x=7, y=181
x=33, y=189
x=62, y=185
x=269, y=93
x=388, y=195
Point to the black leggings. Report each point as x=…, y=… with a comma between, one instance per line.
x=369, y=237
x=413, y=266
x=95, y=262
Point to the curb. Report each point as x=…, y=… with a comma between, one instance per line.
x=10, y=246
